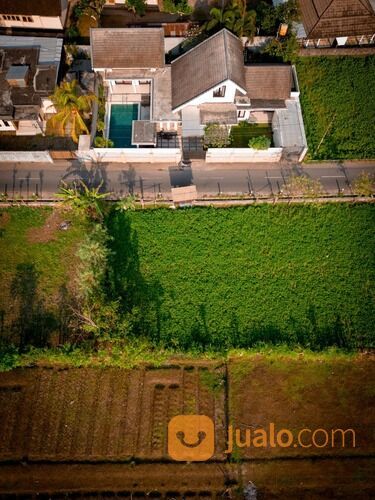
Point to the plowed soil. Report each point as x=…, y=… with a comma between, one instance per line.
x=102, y=433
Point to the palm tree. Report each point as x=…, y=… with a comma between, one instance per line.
x=235, y=18
x=71, y=106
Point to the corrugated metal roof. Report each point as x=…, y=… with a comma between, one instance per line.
x=217, y=59
x=288, y=125
x=49, y=48
x=127, y=48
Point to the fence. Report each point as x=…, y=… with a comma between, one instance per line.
x=27, y=156
x=241, y=155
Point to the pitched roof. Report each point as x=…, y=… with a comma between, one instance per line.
x=268, y=82
x=127, y=47
x=332, y=18
x=205, y=66
x=50, y=8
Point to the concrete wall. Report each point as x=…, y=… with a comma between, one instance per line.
x=240, y=155
x=132, y=155
x=29, y=156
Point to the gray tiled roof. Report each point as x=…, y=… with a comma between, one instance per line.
x=213, y=61
x=268, y=82
x=127, y=47
x=332, y=18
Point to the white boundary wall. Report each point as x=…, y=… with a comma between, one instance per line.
x=132, y=155
x=29, y=156
x=245, y=155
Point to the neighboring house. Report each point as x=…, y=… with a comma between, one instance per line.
x=329, y=23
x=28, y=74
x=33, y=14
x=150, y=103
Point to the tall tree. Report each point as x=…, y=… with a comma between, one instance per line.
x=71, y=106
x=235, y=17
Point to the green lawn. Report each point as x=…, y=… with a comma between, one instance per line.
x=214, y=278
x=338, y=104
x=36, y=264
x=241, y=134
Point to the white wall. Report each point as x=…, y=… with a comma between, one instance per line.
x=28, y=156
x=243, y=155
x=133, y=155
x=208, y=97
x=38, y=22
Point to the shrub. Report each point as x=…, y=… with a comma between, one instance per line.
x=216, y=135
x=260, y=142
x=102, y=142
x=180, y=7
x=301, y=185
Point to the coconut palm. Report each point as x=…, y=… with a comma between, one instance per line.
x=71, y=106
x=235, y=18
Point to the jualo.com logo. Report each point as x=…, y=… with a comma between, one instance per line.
x=191, y=438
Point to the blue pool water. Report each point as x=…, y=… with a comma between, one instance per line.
x=120, y=125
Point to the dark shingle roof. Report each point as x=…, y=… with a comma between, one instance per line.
x=50, y=8
x=268, y=82
x=210, y=63
x=332, y=18
x=127, y=47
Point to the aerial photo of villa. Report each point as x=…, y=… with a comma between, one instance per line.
x=187, y=249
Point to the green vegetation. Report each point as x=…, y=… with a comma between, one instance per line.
x=216, y=135
x=36, y=264
x=216, y=279
x=302, y=185
x=286, y=48
x=180, y=7
x=73, y=108
x=242, y=133
x=199, y=280
x=235, y=17
x=260, y=142
x=337, y=96
x=364, y=184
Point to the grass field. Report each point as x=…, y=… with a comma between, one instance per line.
x=217, y=278
x=36, y=267
x=338, y=104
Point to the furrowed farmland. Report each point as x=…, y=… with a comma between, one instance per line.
x=338, y=104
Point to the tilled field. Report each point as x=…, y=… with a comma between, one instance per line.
x=102, y=432
x=101, y=414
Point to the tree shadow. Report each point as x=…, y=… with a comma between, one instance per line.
x=34, y=323
x=92, y=175
x=139, y=299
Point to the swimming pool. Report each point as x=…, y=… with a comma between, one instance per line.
x=120, y=124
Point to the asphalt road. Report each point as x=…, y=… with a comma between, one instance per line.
x=149, y=180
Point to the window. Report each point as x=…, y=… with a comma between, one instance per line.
x=241, y=113
x=6, y=124
x=220, y=92
x=27, y=19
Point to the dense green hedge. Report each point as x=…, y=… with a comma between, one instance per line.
x=338, y=104
x=217, y=278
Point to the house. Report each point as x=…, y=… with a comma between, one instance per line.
x=330, y=23
x=28, y=75
x=33, y=14
x=153, y=104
